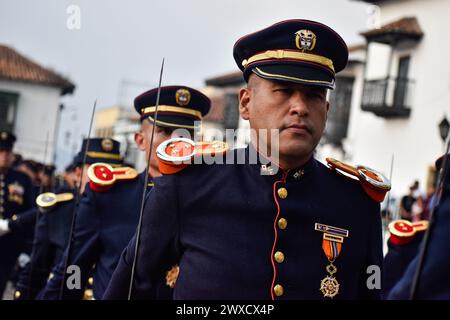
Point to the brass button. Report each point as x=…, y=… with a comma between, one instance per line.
x=91, y=281
x=14, y=217
x=282, y=223
x=51, y=276
x=282, y=193
x=17, y=294
x=278, y=290
x=279, y=256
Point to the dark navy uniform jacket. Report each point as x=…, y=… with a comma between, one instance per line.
x=50, y=240
x=397, y=260
x=16, y=197
x=434, y=280
x=222, y=223
x=105, y=223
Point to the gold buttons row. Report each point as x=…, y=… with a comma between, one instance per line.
x=279, y=257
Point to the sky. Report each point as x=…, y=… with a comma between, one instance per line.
x=114, y=50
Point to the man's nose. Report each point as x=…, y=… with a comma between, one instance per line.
x=298, y=104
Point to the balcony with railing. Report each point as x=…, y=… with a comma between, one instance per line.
x=388, y=97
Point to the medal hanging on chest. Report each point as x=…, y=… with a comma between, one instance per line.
x=331, y=244
x=329, y=285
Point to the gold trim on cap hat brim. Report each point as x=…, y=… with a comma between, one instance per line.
x=293, y=55
x=94, y=154
x=167, y=108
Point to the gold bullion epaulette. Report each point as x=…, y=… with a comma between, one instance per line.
x=103, y=176
x=176, y=154
x=48, y=200
x=373, y=182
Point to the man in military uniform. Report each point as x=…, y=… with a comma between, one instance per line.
x=403, y=245
x=266, y=229
x=16, y=196
x=109, y=210
x=434, y=283
x=53, y=227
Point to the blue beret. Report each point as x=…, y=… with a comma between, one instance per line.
x=299, y=51
x=100, y=150
x=179, y=106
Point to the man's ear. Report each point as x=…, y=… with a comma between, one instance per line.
x=244, y=101
x=139, y=140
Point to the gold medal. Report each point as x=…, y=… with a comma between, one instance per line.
x=333, y=238
x=329, y=285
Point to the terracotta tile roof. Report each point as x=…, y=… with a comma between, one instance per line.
x=408, y=26
x=357, y=47
x=16, y=67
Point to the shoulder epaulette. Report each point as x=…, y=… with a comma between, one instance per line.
x=47, y=200
x=403, y=231
x=373, y=182
x=103, y=176
x=176, y=154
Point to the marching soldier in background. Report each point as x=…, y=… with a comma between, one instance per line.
x=434, y=283
x=16, y=196
x=403, y=245
x=57, y=209
x=286, y=228
x=109, y=209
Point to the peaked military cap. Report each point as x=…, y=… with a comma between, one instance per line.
x=179, y=106
x=299, y=51
x=100, y=150
x=7, y=140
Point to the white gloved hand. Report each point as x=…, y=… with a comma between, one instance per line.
x=4, y=228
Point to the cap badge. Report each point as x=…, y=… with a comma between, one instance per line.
x=183, y=97
x=305, y=40
x=107, y=145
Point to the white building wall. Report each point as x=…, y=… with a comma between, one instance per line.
x=37, y=114
x=414, y=141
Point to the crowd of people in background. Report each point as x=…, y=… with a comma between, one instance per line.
x=415, y=205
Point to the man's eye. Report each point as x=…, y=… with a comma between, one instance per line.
x=315, y=95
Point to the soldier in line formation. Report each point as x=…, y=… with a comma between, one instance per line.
x=279, y=227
